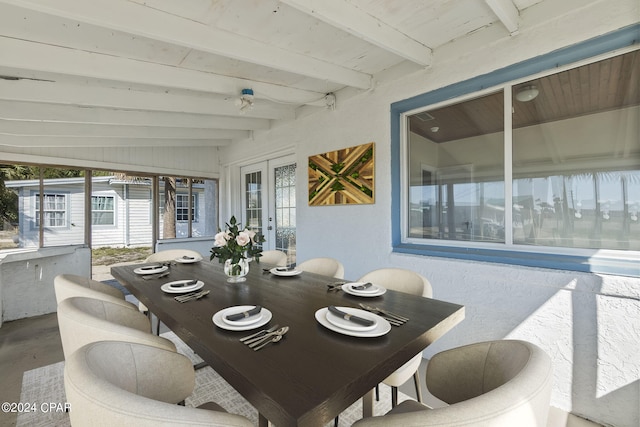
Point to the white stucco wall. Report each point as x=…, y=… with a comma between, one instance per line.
x=588, y=323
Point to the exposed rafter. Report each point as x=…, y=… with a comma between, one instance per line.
x=508, y=14
x=58, y=113
x=126, y=16
x=349, y=18
x=123, y=99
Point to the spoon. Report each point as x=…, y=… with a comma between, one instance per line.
x=274, y=339
x=260, y=340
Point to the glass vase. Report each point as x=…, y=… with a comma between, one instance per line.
x=236, y=272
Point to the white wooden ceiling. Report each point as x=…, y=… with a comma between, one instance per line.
x=170, y=72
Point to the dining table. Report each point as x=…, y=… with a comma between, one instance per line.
x=316, y=370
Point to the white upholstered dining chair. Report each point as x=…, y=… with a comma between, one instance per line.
x=410, y=282
x=275, y=257
x=83, y=320
x=325, y=266
x=501, y=383
x=72, y=285
x=112, y=383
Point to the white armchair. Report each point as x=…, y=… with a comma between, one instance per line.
x=502, y=383
x=84, y=320
x=409, y=282
x=325, y=266
x=112, y=383
x=72, y=285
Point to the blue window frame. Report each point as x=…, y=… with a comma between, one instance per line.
x=594, y=260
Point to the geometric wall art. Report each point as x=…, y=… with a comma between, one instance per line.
x=342, y=177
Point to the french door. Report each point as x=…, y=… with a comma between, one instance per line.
x=269, y=202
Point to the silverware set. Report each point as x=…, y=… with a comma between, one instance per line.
x=191, y=296
x=265, y=337
x=392, y=318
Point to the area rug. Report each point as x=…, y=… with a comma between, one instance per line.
x=44, y=387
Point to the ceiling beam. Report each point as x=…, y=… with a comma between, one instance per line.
x=507, y=13
x=140, y=20
x=39, y=112
x=90, y=130
x=82, y=141
x=38, y=57
x=123, y=99
x=347, y=17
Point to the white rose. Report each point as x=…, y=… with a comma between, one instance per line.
x=221, y=238
x=243, y=238
x=251, y=234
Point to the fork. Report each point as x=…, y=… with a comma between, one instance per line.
x=262, y=332
x=190, y=297
x=391, y=318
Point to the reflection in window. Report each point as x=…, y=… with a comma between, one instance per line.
x=575, y=168
x=285, y=204
x=456, y=171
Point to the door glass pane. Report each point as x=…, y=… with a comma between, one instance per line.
x=285, y=213
x=253, y=201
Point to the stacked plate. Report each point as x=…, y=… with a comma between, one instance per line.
x=151, y=269
x=188, y=259
x=347, y=327
x=182, y=286
x=361, y=290
x=285, y=271
x=255, y=321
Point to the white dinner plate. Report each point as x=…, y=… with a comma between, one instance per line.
x=373, y=291
x=244, y=321
x=188, y=260
x=382, y=326
x=340, y=322
x=283, y=272
x=218, y=318
x=151, y=269
x=174, y=288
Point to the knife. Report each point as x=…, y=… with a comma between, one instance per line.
x=237, y=316
x=362, y=287
x=350, y=317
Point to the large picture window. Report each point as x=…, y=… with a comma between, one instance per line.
x=550, y=161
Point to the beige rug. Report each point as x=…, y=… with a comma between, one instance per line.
x=44, y=387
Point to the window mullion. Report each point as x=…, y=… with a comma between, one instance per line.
x=508, y=166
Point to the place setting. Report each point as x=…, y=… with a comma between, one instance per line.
x=285, y=271
x=155, y=271
x=187, y=259
x=362, y=289
x=353, y=321
x=242, y=317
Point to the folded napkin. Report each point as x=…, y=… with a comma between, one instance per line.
x=183, y=284
x=350, y=317
x=362, y=287
x=243, y=315
x=151, y=267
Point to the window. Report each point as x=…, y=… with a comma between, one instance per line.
x=55, y=210
x=541, y=170
x=182, y=207
x=102, y=210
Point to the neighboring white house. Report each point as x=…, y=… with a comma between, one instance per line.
x=121, y=211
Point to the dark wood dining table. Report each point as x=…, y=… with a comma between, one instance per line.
x=313, y=373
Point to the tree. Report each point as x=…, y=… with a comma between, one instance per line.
x=169, y=219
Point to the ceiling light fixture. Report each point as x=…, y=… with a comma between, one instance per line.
x=245, y=102
x=527, y=93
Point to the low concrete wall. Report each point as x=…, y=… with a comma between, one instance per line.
x=26, y=278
